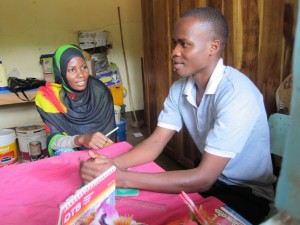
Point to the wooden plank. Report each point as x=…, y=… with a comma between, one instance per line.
x=270, y=51
x=11, y=98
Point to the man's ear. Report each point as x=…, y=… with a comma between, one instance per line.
x=214, y=47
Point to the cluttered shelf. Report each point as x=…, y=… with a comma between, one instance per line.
x=8, y=98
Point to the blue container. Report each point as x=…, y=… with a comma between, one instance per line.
x=121, y=132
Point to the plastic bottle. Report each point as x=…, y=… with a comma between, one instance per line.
x=3, y=78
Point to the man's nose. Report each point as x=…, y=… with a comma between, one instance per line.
x=175, y=51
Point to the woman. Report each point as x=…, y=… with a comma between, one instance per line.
x=77, y=109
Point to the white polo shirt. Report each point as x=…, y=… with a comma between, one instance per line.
x=230, y=122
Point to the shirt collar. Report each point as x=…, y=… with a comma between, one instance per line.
x=212, y=85
x=188, y=91
x=213, y=82
x=215, y=78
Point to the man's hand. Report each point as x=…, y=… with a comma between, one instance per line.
x=94, y=166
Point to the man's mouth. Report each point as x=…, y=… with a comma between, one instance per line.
x=177, y=65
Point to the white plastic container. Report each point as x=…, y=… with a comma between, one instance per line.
x=3, y=78
x=32, y=142
x=8, y=147
x=117, y=113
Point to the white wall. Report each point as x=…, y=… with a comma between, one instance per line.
x=32, y=28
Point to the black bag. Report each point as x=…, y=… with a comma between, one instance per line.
x=16, y=85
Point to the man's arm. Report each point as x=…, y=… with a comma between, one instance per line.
x=193, y=180
x=146, y=151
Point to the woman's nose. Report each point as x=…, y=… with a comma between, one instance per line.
x=80, y=73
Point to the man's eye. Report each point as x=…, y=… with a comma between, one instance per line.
x=185, y=45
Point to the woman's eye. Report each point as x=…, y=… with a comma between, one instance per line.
x=71, y=70
x=84, y=67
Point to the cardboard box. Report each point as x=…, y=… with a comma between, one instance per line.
x=46, y=62
x=92, y=39
x=111, y=76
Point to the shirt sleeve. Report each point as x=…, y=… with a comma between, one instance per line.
x=170, y=116
x=64, y=142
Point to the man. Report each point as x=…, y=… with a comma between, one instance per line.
x=225, y=115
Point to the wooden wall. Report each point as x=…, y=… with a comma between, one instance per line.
x=260, y=45
x=261, y=42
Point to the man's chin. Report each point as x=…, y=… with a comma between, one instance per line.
x=181, y=74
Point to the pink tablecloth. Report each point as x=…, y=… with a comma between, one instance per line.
x=30, y=193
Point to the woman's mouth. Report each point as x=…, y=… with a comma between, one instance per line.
x=81, y=83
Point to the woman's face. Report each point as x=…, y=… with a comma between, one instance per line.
x=77, y=74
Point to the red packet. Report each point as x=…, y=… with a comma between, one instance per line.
x=220, y=213
x=210, y=211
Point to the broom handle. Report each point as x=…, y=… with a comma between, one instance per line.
x=127, y=74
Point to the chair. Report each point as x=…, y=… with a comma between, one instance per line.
x=278, y=124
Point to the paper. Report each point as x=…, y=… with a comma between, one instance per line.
x=139, y=134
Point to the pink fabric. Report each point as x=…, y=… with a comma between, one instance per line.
x=151, y=207
x=30, y=193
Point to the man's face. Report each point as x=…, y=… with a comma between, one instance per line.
x=191, y=50
x=77, y=74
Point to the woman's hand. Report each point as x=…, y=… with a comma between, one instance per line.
x=95, y=140
x=94, y=166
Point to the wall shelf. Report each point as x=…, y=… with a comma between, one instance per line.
x=9, y=98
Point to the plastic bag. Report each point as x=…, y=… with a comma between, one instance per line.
x=284, y=95
x=16, y=85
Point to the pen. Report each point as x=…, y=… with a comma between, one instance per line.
x=109, y=133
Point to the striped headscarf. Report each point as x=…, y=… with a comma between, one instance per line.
x=61, y=58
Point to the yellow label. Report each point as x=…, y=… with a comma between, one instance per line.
x=8, y=154
x=8, y=148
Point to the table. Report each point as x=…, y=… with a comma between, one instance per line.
x=31, y=192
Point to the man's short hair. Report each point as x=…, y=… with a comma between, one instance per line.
x=216, y=22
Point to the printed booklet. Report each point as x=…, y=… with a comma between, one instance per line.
x=89, y=202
